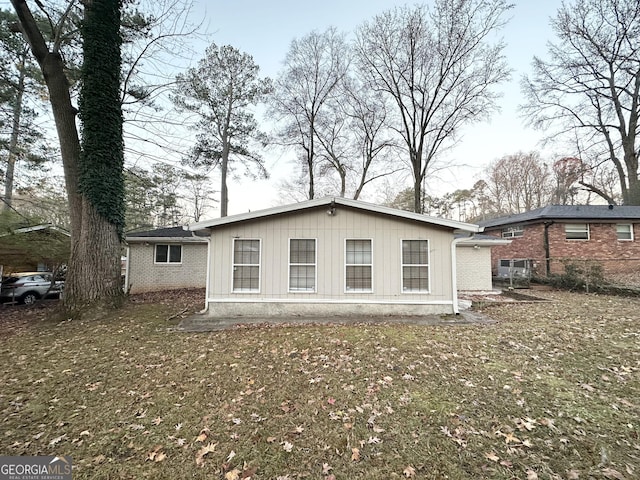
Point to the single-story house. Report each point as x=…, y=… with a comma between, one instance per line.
x=165, y=259
x=546, y=238
x=333, y=256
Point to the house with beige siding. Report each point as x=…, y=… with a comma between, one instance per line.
x=332, y=256
x=165, y=259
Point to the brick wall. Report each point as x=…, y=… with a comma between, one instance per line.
x=147, y=276
x=603, y=246
x=472, y=268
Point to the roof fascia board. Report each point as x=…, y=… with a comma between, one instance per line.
x=337, y=201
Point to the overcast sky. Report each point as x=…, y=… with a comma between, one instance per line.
x=266, y=29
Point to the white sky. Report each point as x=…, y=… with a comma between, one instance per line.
x=265, y=30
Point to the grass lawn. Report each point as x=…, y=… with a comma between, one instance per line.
x=550, y=391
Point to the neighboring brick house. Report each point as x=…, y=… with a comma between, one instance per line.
x=549, y=237
x=165, y=259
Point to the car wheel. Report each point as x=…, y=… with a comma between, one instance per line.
x=30, y=298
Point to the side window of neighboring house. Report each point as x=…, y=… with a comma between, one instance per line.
x=624, y=231
x=576, y=231
x=168, y=254
x=302, y=265
x=358, y=266
x=246, y=265
x=512, y=232
x=415, y=266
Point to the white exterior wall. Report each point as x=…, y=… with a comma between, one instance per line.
x=473, y=268
x=147, y=276
x=330, y=233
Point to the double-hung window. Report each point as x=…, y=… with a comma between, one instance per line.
x=302, y=265
x=415, y=266
x=358, y=266
x=624, y=231
x=168, y=254
x=576, y=231
x=512, y=232
x=246, y=265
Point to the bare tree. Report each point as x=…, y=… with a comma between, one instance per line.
x=590, y=85
x=372, y=138
x=313, y=71
x=518, y=183
x=438, y=67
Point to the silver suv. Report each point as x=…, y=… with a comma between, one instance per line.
x=28, y=287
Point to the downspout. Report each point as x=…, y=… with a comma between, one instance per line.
x=547, y=248
x=454, y=272
x=125, y=287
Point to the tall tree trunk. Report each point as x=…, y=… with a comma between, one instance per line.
x=93, y=273
x=13, y=141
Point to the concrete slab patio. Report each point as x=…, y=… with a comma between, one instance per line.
x=208, y=323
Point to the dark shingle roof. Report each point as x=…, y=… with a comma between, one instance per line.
x=568, y=212
x=166, y=232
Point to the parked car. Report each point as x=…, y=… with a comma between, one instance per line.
x=28, y=287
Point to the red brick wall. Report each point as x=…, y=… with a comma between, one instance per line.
x=603, y=246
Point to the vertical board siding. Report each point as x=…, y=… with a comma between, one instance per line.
x=330, y=233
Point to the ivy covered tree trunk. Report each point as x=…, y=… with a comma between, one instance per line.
x=93, y=174
x=96, y=254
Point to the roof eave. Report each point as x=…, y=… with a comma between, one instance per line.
x=337, y=201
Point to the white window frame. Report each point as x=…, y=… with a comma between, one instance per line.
x=630, y=225
x=314, y=265
x=168, y=245
x=513, y=232
x=402, y=265
x=573, y=228
x=234, y=265
x=346, y=265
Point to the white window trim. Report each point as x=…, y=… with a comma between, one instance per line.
x=428, y=265
x=344, y=276
x=510, y=232
x=577, y=239
x=630, y=225
x=169, y=245
x=234, y=265
x=315, y=265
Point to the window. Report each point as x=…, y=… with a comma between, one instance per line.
x=512, y=232
x=358, y=266
x=246, y=265
x=168, y=253
x=624, y=231
x=415, y=266
x=302, y=265
x=576, y=231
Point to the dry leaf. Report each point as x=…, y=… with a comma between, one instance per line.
x=230, y=456
x=232, y=475
x=160, y=457
x=355, y=454
x=531, y=475
x=287, y=446
x=492, y=456
x=573, y=475
x=326, y=468
x=409, y=472
x=271, y=439
x=211, y=447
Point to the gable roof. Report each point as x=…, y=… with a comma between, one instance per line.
x=165, y=234
x=334, y=202
x=604, y=213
